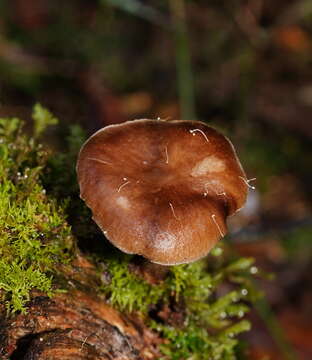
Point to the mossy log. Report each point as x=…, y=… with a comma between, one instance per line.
x=75, y=325
x=66, y=294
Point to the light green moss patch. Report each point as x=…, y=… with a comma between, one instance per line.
x=211, y=321
x=34, y=235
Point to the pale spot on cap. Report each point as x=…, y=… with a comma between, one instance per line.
x=164, y=241
x=208, y=164
x=123, y=202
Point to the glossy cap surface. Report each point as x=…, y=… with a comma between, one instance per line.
x=161, y=189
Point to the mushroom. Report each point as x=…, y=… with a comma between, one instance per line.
x=161, y=189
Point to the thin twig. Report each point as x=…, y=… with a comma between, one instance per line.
x=172, y=209
x=142, y=11
x=201, y=131
x=167, y=157
x=213, y=216
x=122, y=185
x=100, y=161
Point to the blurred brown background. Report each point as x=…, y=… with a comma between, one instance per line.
x=242, y=66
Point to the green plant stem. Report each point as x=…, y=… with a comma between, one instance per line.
x=264, y=310
x=274, y=328
x=183, y=60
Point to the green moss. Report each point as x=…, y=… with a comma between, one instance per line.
x=125, y=290
x=211, y=321
x=17, y=281
x=42, y=118
x=34, y=235
x=195, y=342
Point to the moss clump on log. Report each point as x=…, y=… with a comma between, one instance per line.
x=34, y=235
x=187, y=306
x=197, y=309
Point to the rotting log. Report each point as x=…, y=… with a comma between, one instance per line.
x=75, y=325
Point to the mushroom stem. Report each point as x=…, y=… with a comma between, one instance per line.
x=151, y=272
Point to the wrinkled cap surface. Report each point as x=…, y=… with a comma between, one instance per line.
x=161, y=189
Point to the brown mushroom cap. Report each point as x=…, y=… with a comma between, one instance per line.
x=161, y=189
